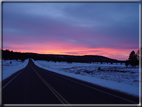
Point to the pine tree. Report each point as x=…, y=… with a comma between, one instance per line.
x=133, y=59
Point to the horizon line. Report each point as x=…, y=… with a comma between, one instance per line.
x=63, y=54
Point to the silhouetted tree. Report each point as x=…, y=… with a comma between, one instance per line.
x=133, y=59
x=127, y=63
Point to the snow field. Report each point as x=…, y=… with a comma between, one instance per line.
x=113, y=76
x=10, y=68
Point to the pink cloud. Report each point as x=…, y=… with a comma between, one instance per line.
x=72, y=49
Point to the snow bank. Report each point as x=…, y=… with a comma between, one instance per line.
x=11, y=68
x=113, y=76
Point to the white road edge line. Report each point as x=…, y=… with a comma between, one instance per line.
x=97, y=89
x=11, y=80
x=60, y=98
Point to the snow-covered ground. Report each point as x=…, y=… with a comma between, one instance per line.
x=113, y=76
x=10, y=68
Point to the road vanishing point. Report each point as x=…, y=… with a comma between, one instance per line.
x=35, y=85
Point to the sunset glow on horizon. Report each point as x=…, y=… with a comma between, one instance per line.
x=122, y=54
x=72, y=28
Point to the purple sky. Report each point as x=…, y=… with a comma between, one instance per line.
x=108, y=29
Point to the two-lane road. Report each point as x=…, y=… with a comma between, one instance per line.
x=34, y=85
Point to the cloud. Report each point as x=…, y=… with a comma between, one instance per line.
x=71, y=27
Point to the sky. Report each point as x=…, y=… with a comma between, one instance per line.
x=106, y=29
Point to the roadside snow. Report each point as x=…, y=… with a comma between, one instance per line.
x=113, y=76
x=10, y=68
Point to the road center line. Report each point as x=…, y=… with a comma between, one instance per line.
x=60, y=98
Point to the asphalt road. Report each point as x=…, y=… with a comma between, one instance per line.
x=34, y=85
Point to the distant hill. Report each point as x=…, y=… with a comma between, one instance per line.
x=99, y=58
x=6, y=54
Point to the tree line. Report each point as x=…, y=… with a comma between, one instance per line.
x=7, y=54
x=10, y=55
x=133, y=59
